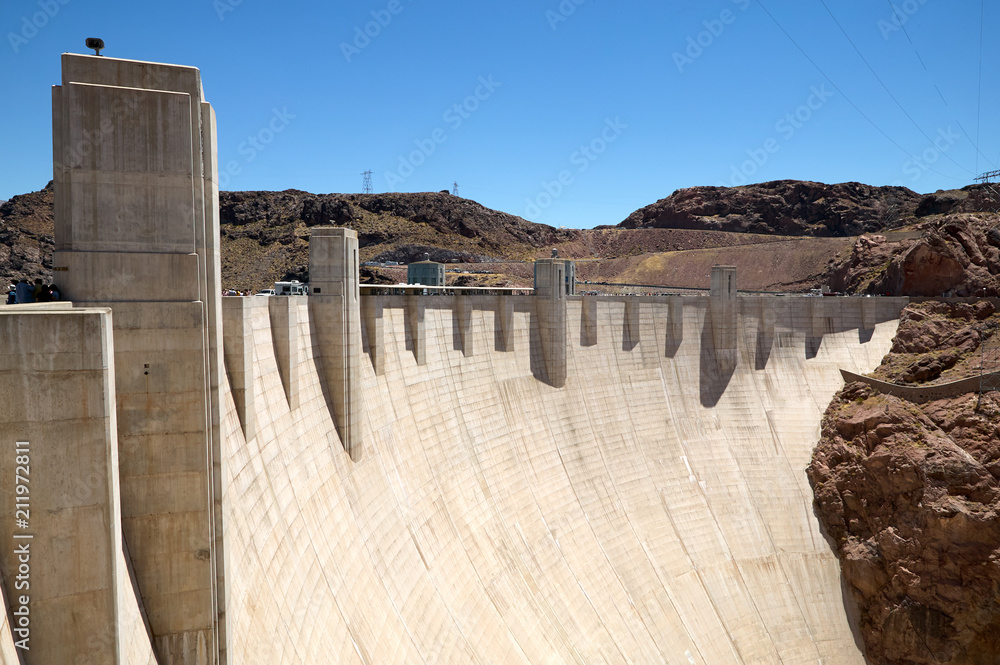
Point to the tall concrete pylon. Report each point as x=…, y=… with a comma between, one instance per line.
x=723, y=306
x=550, y=308
x=137, y=230
x=335, y=310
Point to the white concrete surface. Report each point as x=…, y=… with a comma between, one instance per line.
x=136, y=230
x=496, y=519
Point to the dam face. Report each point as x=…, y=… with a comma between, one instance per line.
x=348, y=478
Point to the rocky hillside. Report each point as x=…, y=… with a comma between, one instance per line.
x=26, y=237
x=782, y=207
x=945, y=242
x=909, y=494
x=954, y=255
x=266, y=234
x=951, y=248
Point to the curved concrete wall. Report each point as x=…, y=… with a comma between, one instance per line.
x=654, y=509
x=925, y=392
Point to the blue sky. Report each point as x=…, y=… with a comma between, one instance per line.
x=570, y=113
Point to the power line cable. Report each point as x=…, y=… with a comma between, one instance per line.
x=886, y=88
x=902, y=25
x=979, y=101
x=849, y=100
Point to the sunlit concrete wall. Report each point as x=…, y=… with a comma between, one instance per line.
x=69, y=592
x=136, y=230
x=654, y=509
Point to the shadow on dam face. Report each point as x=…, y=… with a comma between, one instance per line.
x=716, y=366
x=535, y=350
x=762, y=350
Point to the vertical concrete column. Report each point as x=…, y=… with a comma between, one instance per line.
x=136, y=201
x=869, y=313
x=372, y=313
x=335, y=309
x=550, y=308
x=62, y=542
x=416, y=331
x=767, y=315
x=820, y=321
x=237, y=327
x=630, y=328
x=504, y=322
x=211, y=257
x=723, y=306
x=588, y=321
x=675, y=325
x=570, y=277
x=284, y=317
x=765, y=331
x=463, y=315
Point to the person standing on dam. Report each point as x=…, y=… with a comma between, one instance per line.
x=24, y=293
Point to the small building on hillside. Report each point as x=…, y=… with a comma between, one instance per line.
x=425, y=273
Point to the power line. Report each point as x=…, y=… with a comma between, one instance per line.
x=902, y=25
x=366, y=184
x=979, y=101
x=849, y=100
x=886, y=88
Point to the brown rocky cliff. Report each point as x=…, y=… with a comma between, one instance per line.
x=783, y=207
x=955, y=254
x=909, y=494
x=265, y=234
x=951, y=247
x=26, y=237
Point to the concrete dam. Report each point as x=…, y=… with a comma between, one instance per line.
x=188, y=479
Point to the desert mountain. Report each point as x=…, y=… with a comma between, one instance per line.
x=784, y=235
x=782, y=207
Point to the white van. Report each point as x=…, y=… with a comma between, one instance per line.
x=292, y=288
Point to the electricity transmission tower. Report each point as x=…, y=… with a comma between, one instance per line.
x=454, y=189
x=987, y=180
x=366, y=184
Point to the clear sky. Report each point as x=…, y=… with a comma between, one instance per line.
x=570, y=113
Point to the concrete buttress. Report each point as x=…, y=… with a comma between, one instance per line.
x=335, y=311
x=137, y=230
